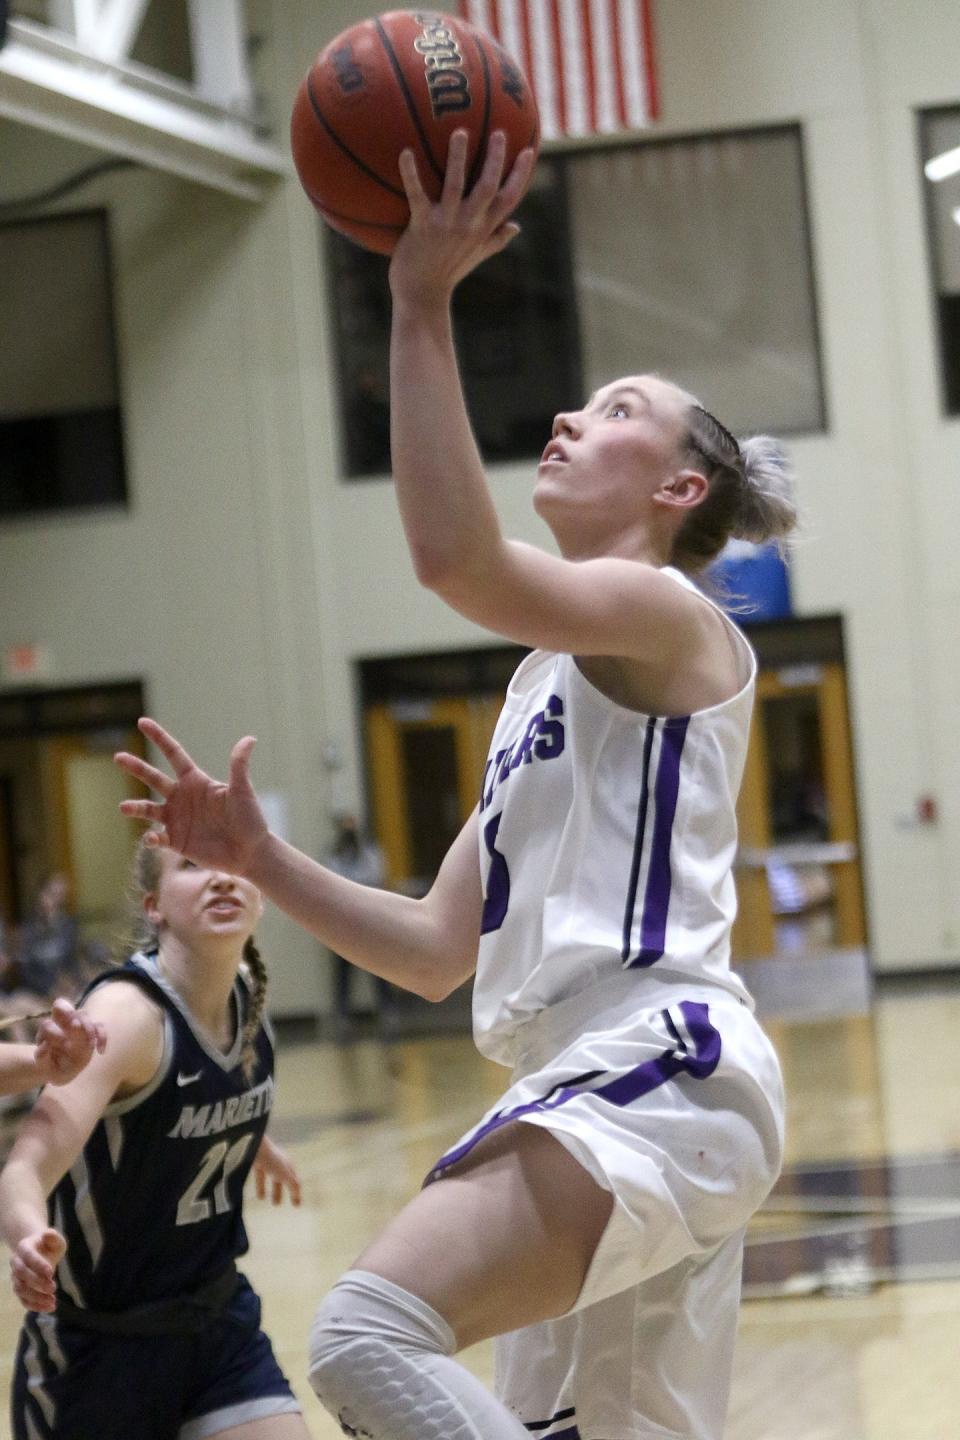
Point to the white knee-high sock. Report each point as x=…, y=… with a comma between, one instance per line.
x=380, y=1361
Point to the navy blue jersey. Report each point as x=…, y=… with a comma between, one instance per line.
x=152, y=1206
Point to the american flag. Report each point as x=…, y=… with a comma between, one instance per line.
x=590, y=62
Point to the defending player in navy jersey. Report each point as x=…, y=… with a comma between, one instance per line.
x=593, y=1221
x=122, y=1197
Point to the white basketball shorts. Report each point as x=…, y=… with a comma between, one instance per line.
x=678, y=1112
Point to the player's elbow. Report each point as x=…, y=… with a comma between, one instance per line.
x=435, y=567
x=443, y=986
x=445, y=970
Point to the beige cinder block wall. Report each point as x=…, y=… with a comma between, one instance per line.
x=245, y=579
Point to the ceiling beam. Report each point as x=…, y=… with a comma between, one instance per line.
x=49, y=81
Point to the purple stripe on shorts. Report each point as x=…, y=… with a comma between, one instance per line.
x=537, y=1425
x=622, y=1090
x=656, y=901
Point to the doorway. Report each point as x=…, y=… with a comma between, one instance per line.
x=799, y=867
x=426, y=760
x=59, y=792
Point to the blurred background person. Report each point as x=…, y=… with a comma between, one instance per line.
x=47, y=958
x=355, y=856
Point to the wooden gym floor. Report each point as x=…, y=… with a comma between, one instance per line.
x=850, y=1325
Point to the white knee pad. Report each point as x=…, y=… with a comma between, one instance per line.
x=380, y=1363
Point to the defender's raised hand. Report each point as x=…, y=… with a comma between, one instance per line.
x=66, y=1042
x=217, y=825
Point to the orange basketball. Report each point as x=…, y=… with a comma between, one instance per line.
x=403, y=79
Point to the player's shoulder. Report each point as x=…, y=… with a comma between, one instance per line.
x=124, y=995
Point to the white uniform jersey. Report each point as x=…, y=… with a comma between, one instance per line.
x=607, y=841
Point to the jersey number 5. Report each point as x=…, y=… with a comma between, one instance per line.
x=497, y=898
x=222, y=1157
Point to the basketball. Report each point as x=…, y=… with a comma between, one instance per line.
x=402, y=79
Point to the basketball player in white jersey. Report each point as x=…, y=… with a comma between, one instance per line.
x=594, y=1219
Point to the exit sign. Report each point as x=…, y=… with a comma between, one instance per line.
x=23, y=663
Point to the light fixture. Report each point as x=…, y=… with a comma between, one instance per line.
x=941, y=166
x=955, y=212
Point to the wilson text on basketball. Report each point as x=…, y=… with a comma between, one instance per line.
x=443, y=66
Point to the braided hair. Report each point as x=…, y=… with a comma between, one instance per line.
x=144, y=936
x=256, y=1001
x=750, y=495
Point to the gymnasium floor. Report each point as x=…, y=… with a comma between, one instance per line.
x=851, y=1325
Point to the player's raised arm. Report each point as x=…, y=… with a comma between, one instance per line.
x=448, y=515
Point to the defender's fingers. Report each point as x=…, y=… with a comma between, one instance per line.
x=143, y=809
x=165, y=743
x=240, y=760
x=34, y=1269
x=34, y=1299
x=153, y=778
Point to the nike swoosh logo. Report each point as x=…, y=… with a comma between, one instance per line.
x=188, y=1079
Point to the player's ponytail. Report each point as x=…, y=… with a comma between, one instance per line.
x=256, y=1001
x=768, y=509
x=750, y=495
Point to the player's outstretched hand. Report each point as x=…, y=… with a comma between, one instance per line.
x=445, y=240
x=274, y=1166
x=66, y=1043
x=216, y=825
x=33, y=1268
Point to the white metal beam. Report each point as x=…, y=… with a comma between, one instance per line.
x=86, y=103
x=218, y=41
x=49, y=82
x=105, y=28
x=118, y=26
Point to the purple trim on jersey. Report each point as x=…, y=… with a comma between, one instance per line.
x=638, y=841
x=623, y=1089
x=656, y=901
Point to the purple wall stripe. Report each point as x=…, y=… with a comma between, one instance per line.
x=656, y=903
x=622, y=1090
x=638, y=841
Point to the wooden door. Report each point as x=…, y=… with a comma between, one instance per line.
x=797, y=809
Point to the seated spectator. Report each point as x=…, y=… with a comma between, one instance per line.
x=48, y=958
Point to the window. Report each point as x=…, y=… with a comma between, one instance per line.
x=516, y=332
x=940, y=152
x=692, y=260
x=61, y=445
x=688, y=257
